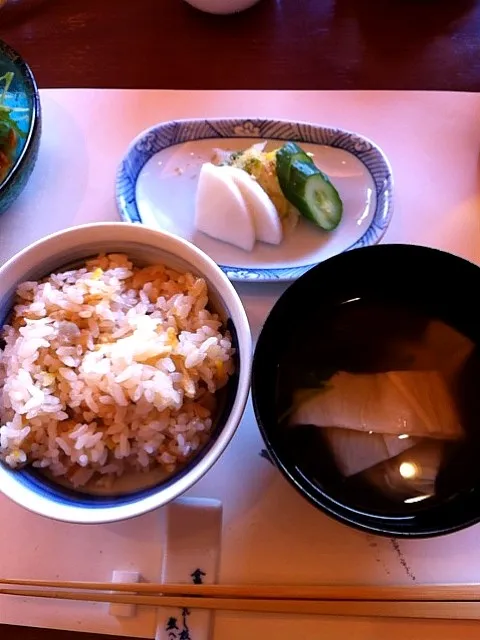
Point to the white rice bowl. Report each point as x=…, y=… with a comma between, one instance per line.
x=110, y=368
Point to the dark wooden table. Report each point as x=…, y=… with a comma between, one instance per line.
x=279, y=44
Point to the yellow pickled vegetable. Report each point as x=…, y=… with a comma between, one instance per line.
x=262, y=165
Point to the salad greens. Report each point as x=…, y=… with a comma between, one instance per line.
x=10, y=132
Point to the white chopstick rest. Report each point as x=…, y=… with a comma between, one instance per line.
x=191, y=554
x=124, y=610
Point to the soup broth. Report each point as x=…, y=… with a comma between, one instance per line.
x=380, y=407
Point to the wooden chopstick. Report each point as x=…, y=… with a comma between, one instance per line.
x=447, y=592
x=405, y=609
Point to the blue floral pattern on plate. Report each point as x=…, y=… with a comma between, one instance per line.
x=170, y=133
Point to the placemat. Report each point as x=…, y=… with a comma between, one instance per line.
x=269, y=533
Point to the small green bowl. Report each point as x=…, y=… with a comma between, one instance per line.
x=23, y=97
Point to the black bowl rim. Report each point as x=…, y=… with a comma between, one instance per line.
x=29, y=78
x=388, y=531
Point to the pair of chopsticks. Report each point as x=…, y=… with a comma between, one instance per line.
x=460, y=602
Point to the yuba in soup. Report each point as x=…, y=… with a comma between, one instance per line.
x=381, y=404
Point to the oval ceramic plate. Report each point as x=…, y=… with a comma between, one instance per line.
x=157, y=180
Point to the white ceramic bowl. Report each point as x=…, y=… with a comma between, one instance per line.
x=222, y=6
x=40, y=495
